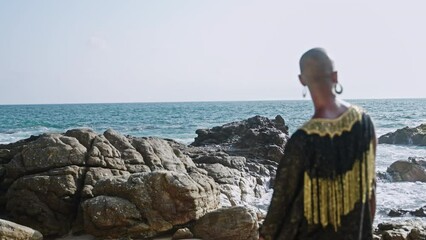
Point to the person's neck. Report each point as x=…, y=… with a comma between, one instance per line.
x=328, y=106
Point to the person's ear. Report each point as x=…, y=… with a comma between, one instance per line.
x=302, y=81
x=334, y=77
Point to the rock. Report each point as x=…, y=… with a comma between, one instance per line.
x=396, y=213
x=104, y=154
x=404, y=230
x=256, y=136
x=132, y=158
x=406, y=171
x=158, y=154
x=182, y=233
x=417, y=234
x=112, y=216
x=241, y=156
x=398, y=234
x=406, y=136
x=418, y=160
x=93, y=175
x=60, y=183
x=420, y=212
x=12, y=231
x=46, y=152
x=84, y=135
x=161, y=199
x=46, y=201
x=235, y=223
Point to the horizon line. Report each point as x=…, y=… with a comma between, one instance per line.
x=202, y=101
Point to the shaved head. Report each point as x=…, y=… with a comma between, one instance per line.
x=316, y=64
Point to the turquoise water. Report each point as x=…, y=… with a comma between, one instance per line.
x=180, y=120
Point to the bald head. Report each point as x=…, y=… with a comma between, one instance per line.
x=316, y=64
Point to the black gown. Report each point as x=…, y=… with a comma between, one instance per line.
x=325, y=181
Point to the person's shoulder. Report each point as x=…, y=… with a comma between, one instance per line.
x=362, y=113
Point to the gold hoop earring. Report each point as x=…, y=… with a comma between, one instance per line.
x=340, y=90
x=304, y=91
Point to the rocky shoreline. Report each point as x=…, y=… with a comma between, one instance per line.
x=112, y=186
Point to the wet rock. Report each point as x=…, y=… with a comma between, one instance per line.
x=420, y=212
x=12, y=231
x=396, y=213
x=406, y=136
x=418, y=160
x=406, y=171
x=236, y=223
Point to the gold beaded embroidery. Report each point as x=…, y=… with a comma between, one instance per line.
x=327, y=200
x=333, y=127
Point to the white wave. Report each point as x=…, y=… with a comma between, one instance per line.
x=402, y=195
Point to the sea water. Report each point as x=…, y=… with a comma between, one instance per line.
x=180, y=120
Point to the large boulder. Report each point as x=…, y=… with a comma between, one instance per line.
x=257, y=136
x=53, y=183
x=146, y=204
x=46, y=201
x=46, y=152
x=12, y=231
x=235, y=223
x=406, y=171
x=406, y=136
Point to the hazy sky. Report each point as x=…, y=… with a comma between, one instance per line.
x=137, y=51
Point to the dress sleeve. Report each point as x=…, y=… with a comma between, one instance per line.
x=288, y=180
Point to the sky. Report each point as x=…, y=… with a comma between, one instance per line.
x=103, y=51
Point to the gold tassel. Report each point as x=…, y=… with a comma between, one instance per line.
x=337, y=197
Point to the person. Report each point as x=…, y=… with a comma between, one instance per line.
x=325, y=183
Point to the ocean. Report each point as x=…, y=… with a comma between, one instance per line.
x=179, y=121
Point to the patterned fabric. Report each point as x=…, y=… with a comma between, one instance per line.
x=325, y=181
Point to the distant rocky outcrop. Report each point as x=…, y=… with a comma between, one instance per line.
x=256, y=137
x=420, y=212
x=406, y=136
x=411, y=170
x=110, y=185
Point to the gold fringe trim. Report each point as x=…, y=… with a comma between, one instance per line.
x=333, y=127
x=327, y=200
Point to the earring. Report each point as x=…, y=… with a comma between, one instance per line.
x=340, y=90
x=304, y=91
